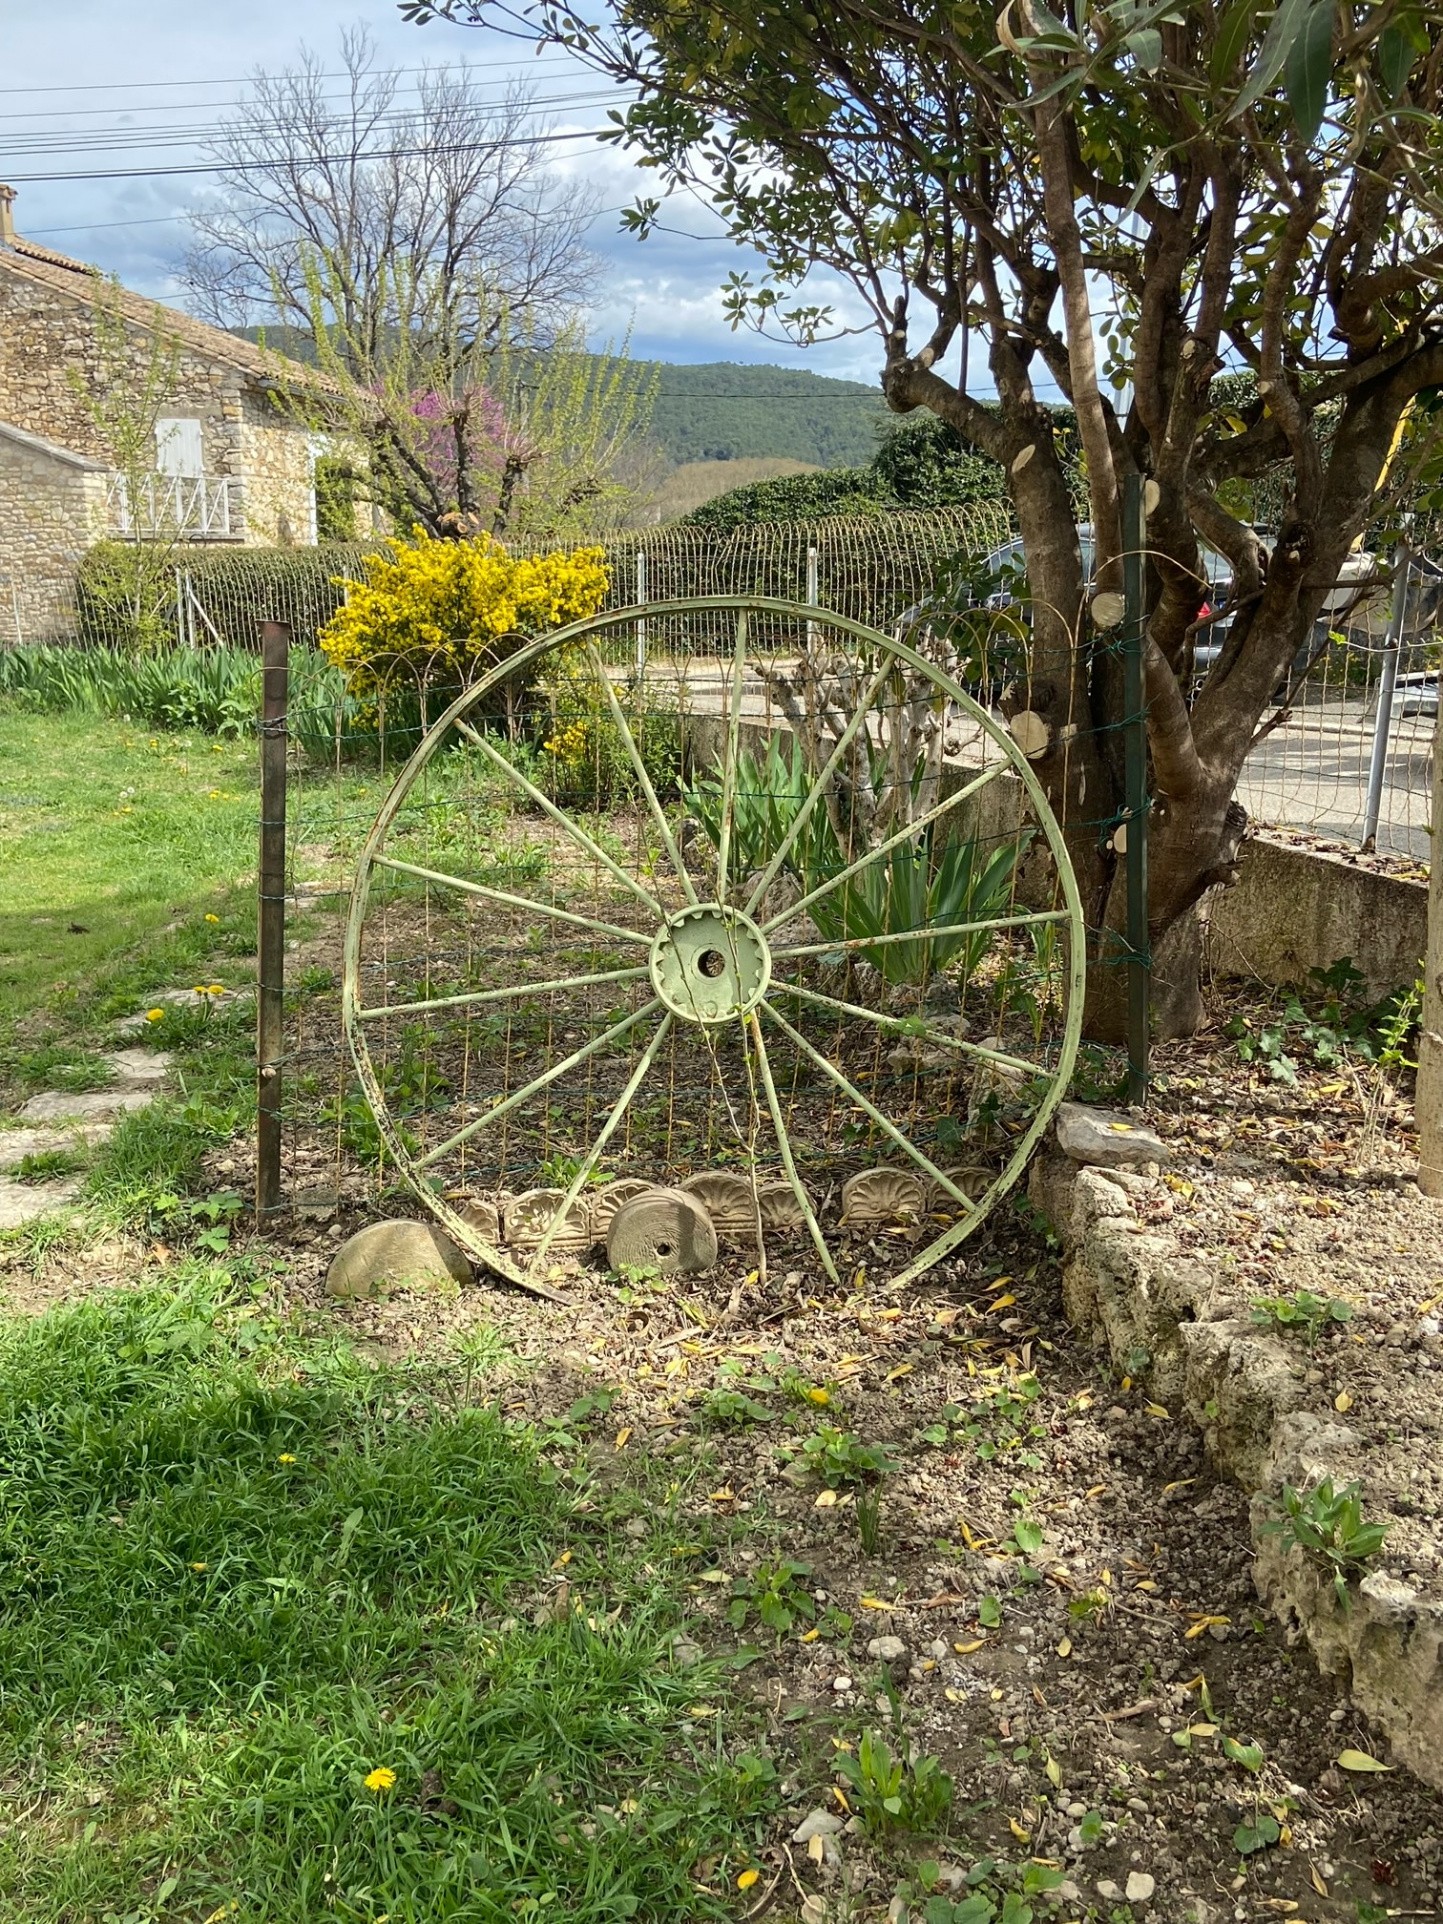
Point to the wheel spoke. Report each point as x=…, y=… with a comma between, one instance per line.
x=516, y=989
x=854, y=1094
x=819, y=787
x=907, y=834
x=608, y=1129
x=729, y=771
x=538, y=1083
x=562, y=819
x=785, y=1147
x=610, y=929
x=598, y=668
x=939, y=1038
x=922, y=932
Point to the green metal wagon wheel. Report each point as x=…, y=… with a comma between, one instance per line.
x=613, y=922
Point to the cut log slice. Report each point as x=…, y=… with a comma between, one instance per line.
x=531, y=1215
x=665, y=1230
x=883, y=1196
x=727, y=1199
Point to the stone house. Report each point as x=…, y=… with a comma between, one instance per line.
x=233, y=465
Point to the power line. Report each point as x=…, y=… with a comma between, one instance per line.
x=387, y=153
x=246, y=79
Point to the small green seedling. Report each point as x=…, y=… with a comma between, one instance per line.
x=840, y=1460
x=893, y=1790
x=775, y=1593
x=998, y=1422
x=869, y=1517
x=218, y=1214
x=995, y=1893
x=1301, y=1311
x=728, y=1408
x=1328, y=1524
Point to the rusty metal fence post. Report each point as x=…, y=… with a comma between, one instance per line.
x=271, y=918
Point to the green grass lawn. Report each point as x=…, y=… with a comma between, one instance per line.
x=286, y=1637
x=114, y=845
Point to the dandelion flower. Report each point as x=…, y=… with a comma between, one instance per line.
x=285, y=1457
x=380, y=1780
x=215, y=988
x=213, y=918
x=155, y=1015
x=819, y=1396
x=747, y=1879
x=198, y=1567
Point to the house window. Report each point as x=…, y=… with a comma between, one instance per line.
x=178, y=446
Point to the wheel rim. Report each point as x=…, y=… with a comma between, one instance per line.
x=752, y=998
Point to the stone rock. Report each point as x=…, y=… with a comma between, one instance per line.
x=817, y=1823
x=1109, y=1892
x=887, y=1649
x=134, y=1068
x=685, y=1653
x=665, y=1230
x=94, y=1105
x=1105, y=1139
x=1140, y=1887
x=883, y=1196
x=27, y=1202
x=17, y=1144
x=386, y=1254
x=140, y=1023
x=727, y=1199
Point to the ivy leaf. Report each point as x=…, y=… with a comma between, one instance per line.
x=1310, y=68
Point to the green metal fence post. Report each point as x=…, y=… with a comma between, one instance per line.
x=1139, y=958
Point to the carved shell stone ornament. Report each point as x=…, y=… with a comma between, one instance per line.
x=530, y=1216
x=778, y=1206
x=883, y=1196
x=973, y=1179
x=480, y=1214
x=605, y=1202
x=727, y=1199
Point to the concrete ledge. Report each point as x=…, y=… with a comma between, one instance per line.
x=1134, y=1291
x=1296, y=909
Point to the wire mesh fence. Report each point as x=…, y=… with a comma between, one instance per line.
x=1346, y=749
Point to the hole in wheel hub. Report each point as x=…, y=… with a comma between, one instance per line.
x=710, y=964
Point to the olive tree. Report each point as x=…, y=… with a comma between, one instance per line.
x=1124, y=197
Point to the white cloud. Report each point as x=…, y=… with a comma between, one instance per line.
x=665, y=288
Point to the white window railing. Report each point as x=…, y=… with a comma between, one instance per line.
x=197, y=507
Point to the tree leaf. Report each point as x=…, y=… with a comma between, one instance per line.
x=1310, y=68
x=1145, y=45
x=1287, y=23
x=1359, y=1760
x=1232, y=37
x=1398, y=46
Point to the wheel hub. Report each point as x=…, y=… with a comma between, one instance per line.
x=710, y=964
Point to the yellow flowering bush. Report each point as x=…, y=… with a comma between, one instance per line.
x=442, y=612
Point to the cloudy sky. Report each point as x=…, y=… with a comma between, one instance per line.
x=94, y=89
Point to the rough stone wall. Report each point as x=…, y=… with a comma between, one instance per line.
x=50, y=513
x=277, y=458
x=48, y=340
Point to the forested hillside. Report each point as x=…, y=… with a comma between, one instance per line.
x=726, y=411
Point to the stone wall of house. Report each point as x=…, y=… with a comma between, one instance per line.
x=48, y=344
x=50, y=513
x=278, y=460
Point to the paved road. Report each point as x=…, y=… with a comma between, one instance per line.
x=1310, y=773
